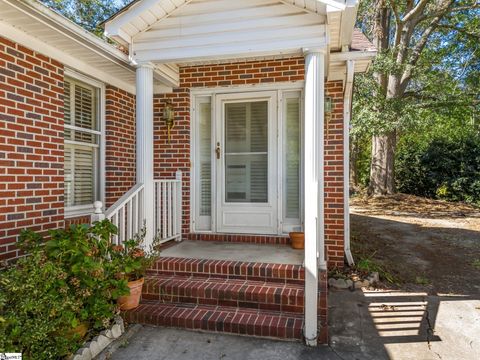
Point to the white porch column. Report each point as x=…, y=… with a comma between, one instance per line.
x=313, y=184
x=144, y=132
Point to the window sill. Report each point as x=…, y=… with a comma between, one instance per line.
x=80, y=210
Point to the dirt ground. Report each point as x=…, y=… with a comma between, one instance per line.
x=423, y=244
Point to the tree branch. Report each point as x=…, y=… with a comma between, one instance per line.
x=460, y=30
x=393, y=5
x=420, y=45
x=416, y=10
x=475, y=5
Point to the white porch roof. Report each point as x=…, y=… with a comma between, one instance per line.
x=197, y=31
x=37, y=27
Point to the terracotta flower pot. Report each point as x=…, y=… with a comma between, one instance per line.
x=80, y=330
x=297, y=240
x=131, y=301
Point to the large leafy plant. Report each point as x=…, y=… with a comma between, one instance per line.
x=65, y=281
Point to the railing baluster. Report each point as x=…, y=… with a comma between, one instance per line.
x=164, y=209
x=130, y=220
x=135, y=214
x=121, y=230
x=174, y=208
x=169, y=209
x=115, y=222
x=178, y=177
x=158, y=195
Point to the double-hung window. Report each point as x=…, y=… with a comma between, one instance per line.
x=83, y=137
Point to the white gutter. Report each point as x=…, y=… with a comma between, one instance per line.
x=347, y=106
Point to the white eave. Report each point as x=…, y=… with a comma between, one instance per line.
x=193, y=31
x=35, y=26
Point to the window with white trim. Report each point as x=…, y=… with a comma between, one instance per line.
x=82, y=135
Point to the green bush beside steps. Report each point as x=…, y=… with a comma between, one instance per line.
x=73, y=278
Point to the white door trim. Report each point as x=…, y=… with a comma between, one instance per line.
x=240, y=217
x=212, y=92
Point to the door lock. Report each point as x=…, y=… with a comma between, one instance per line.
x=217, y=150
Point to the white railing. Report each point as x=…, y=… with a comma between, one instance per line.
x=168, y=208
x=126, y=214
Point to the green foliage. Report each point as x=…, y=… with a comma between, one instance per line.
x=65, y=281
x=87, y=13
x=37, y=306
x=445, y=167
x=368, y=264
x=440, y=90
x=131, y=260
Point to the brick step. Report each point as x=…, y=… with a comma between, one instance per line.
x=240, y=238
x=286, y=326
x=280, y=273
x=225, y=292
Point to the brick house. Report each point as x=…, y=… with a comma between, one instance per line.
x=223, y=127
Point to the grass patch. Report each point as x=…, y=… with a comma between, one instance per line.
x=421, y=280
x=369, y=265
x=476, y=264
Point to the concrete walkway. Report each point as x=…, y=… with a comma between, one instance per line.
x=370, y=325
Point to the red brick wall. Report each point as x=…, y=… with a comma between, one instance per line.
x=31, y=144
x=176, y=155
x=334, y=221
x=120, y=144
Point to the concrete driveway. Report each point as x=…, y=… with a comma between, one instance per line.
x=363, y=325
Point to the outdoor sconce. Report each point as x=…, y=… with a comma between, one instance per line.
x=327, y=107
x=169, y=117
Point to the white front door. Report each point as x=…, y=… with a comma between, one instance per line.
x=246, y=162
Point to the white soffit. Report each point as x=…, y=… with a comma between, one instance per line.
x=35, y=26
x=198, y=30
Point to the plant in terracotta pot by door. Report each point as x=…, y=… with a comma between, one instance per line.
x=133, y=261
x=297, y=240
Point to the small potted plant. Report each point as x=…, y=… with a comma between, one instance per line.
x=133, y=261
x=297, y=240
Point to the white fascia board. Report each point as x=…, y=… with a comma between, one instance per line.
x=336, y=4
x=352, y=55
x=347, y=24
x=227, y=51
x=120, y=36
x=35, y=44
x=167, y=74
x=61, y=24
x=114, y=25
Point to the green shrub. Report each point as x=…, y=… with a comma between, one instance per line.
x=131, y=258
x=445, y=168
x=65, y=281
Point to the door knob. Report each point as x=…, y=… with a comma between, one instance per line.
x=217, y=150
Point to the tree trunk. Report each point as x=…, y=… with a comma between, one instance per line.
x=382, y=175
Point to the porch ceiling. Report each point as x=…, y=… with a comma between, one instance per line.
x=186, y=31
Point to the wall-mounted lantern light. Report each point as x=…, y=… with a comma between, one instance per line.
x=328, y=105
x=169, y=117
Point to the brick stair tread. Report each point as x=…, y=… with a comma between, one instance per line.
x=229, y=292
x=283, y=273
x=287, y=326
